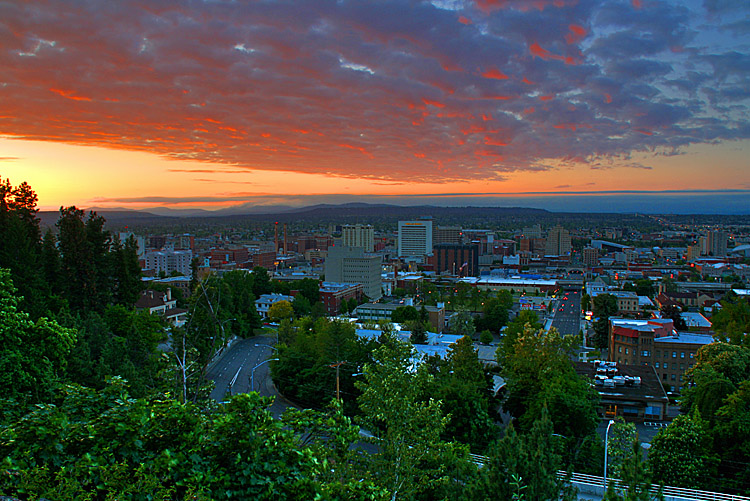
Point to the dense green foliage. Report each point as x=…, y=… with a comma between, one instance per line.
x=308, y=353
x=717, y=403
x=605, y=306
x=540, y=379
x=105, y=445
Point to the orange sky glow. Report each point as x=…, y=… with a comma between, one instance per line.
x=219, y=104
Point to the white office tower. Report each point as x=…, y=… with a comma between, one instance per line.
x=352, y=265
x=359, y=235
x=415, y=238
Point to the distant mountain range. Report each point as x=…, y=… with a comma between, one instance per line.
x=360, y=212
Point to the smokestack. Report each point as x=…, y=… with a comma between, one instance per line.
x=276, y=238
x=285, y=239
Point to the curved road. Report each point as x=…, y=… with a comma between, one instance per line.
x=237, y=364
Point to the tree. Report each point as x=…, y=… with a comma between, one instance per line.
x=620, y=445
x=20, y=247
x=261, y=281
x=732, y=322
x=681, y=454
x=461, y=324
x=412, y=461
x=485, y=337
x=494, y=315
x=403, y=314
x=635, y=478
x=280, y=310
x=525, y=319
x=525, y=463
x=605, y=306
x=418, y=331
x=675, y=314
x=126, y=271
x=585, y=302
x=106, y=445
x=33, y=355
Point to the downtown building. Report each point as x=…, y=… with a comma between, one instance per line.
x=558, y=242
x=358, y=235
x=352, y=265
x=168, y=261
x=415, y=239
x=456, y=259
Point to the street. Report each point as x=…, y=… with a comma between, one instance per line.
x=567, y=313
x=237, y=365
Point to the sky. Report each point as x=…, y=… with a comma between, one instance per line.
x=636, y=105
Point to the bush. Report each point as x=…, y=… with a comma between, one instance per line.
x=485, y=337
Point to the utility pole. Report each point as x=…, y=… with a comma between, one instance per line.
x=338, y=387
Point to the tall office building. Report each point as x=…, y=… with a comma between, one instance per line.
x=353, y=265
x=456, y=259
x=414, y=238
x=359, y=235
x=717, y=243
x=446, y=235
x=558, y=242
x=590, y=257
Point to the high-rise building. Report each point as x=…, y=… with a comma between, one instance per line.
x=558, y=242
x=590, y=257
x=415, y=238
x=461, y=260
x=717, y=243
x=358, y=235
x=353, y=265
x=532, y=232
x=169, y=261
x=446, y=235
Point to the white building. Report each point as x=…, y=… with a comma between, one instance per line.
x=168, y=261
x=415, y=238
x=264, y=302
x=359, y=235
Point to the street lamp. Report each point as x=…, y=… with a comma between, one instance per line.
x=606, y=446
x=252, y=373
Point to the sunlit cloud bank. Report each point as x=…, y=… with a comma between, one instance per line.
x=383, y=90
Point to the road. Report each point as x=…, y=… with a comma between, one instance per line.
x=237, y=364
x=567, y=315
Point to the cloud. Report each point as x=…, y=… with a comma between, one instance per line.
x=392, y=91
x=8, y=159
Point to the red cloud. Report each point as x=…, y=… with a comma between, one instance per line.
x=437, y=104
x=69, y=94
x=576, y=33
x=495, y=73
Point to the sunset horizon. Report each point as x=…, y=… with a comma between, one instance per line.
x=551, y=104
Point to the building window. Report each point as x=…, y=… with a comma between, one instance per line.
x=666, y=366
x=692, y=354
x=682, y=354
x=664, y=377
x=656, y=364
x=674, y=377
x=619, y=349
x=674, y=354
x=645, y=353
x=626, y=351
x=682, y=367
x=658, y=353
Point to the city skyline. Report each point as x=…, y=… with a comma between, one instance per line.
x=564, y=105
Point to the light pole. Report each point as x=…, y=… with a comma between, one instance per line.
x=606, y=446
x=252, y=373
